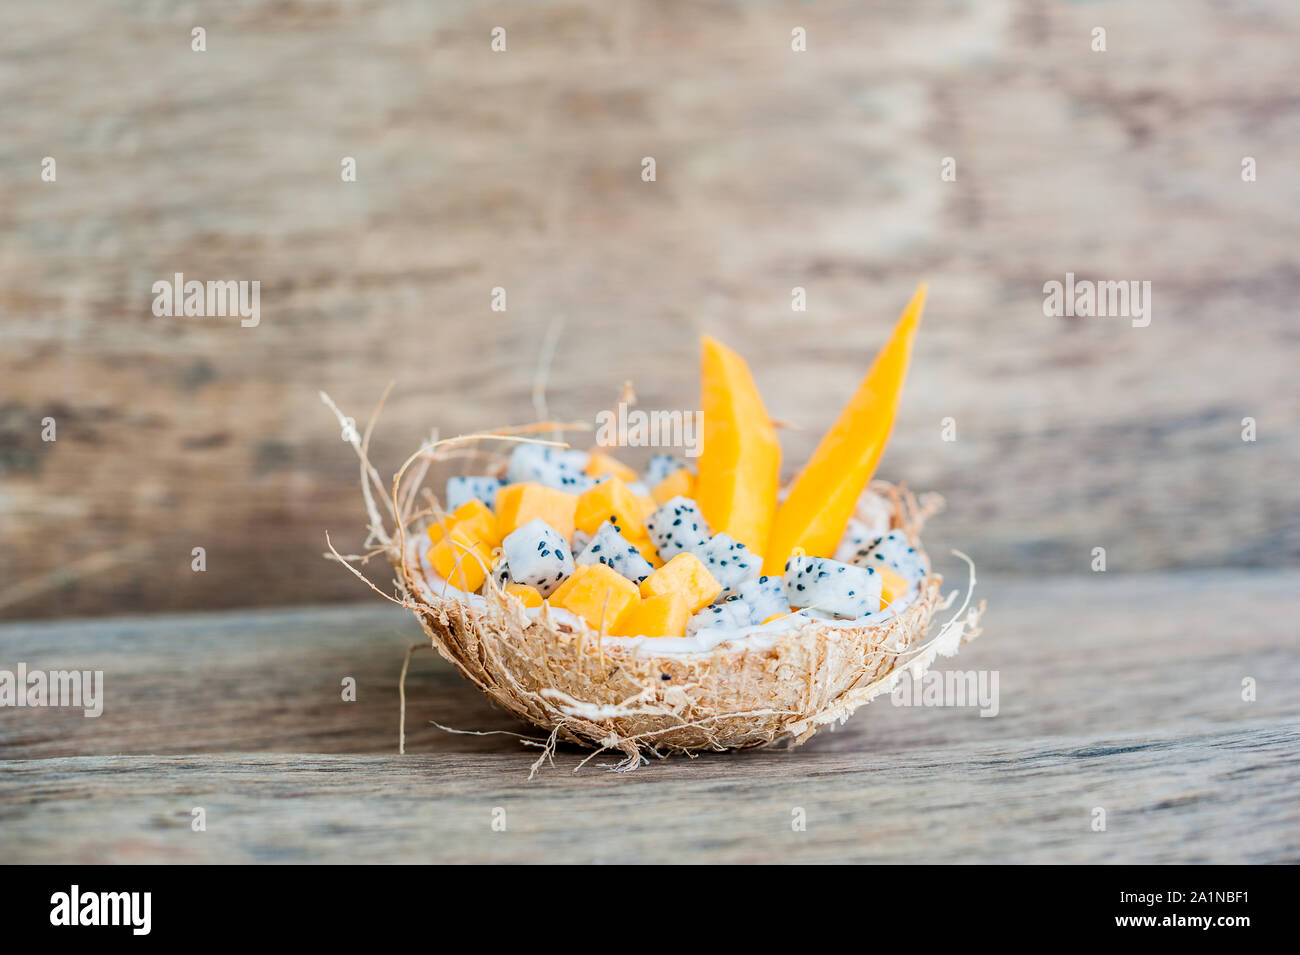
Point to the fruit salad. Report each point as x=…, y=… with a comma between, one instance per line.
x=689, y=547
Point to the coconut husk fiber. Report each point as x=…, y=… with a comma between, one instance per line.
x=579, y=686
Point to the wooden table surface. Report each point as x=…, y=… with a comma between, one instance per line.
x=1118, y=692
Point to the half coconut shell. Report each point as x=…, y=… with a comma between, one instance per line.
x=585, y=688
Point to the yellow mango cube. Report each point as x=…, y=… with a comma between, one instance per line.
x=476, y=519
x=680, y=483
x=610, y=500
x=664, y=615
x=648, y=505
x=517, y=504
x=461, y=560
x=601, y=464
x=474, y=516
x=686, y=576
x=598, y=594
x=530, y=596
x=892, y=585
x=440, y=527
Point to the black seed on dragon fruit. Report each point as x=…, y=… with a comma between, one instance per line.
x=892, y=551
x=832, y=587
x=611, y=548
x=676, y=527
x=538, y=556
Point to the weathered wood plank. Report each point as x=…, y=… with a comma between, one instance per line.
x=1223, y=797
x=522, y=169
x=1116, y=692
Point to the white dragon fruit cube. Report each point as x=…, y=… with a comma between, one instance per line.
x=832, y=587
x=462, y=490
x=559, y=468
x=677, y=526
x=611, y=548
x=538, y=556
x=728, y=615
x=766, y=595
x=728, y=560
x=856, y=536
x=660, y=467
x=894, y=551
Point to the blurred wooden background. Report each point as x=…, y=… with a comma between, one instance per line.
x=522, y=169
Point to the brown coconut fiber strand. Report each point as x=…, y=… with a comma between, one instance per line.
x=566, y=679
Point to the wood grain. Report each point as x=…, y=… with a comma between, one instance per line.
x=522, y=170
x=1116, y=692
